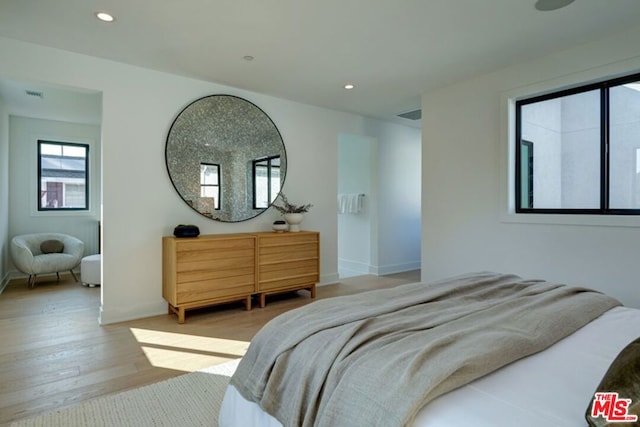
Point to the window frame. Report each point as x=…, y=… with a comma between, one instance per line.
x=217, y=201
x=603, y=86
x=39, y=188
x=254, y=163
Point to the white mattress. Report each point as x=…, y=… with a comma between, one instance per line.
x=550, y=388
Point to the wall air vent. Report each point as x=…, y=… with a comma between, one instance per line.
x=412, y=115
x=34, y=93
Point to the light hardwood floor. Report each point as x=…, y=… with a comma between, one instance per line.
x=54, y=353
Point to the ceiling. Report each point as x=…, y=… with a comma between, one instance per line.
x=306, y=51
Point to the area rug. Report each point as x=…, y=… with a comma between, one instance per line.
x=191, y=399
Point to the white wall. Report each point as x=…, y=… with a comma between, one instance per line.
x=4, y=194
x=399, y=204
x=467, y=220
x=139, y=202
x=24, y=217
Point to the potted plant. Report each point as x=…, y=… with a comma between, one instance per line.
x=293, y=214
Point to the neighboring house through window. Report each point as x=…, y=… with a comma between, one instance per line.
x=587, y=150
x=63, y=176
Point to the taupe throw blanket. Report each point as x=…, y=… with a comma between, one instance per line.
x=375, y=358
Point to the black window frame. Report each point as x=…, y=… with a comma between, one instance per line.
x=254, y=163
x=217, y=204
x=86, y=176
x=604, y=87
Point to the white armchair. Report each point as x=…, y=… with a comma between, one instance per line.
x=28, y=257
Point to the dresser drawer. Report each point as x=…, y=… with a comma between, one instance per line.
x=288, y=262
x=217, y=288
x=299, y=251
x=275, y=271
x=208, y=270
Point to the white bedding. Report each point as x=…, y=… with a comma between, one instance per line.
x=550, y=388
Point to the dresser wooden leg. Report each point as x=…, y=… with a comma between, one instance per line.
x=247, y=303
x=262, y=300
x=180, y=315
x=312, y=289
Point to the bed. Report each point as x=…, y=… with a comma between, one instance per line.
x=487, y=349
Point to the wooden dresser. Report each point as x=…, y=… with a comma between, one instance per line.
x=213, y=269
x=207, y=270
x=287, y=262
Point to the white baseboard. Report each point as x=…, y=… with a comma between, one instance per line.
x=348, y=268
x=123, y=314
x=328, y=279
x=397, y=268
x=353, y=268
x=159, y=307
x=4, y=282
x=15, y=275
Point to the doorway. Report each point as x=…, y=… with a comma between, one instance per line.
x=67, y=116
x=356, y=195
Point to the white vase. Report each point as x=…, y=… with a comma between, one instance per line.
x=294, y=220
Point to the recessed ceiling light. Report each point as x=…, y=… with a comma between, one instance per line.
x=349, y=86
x=104, y=16
x=546, y=5
x=248, y=58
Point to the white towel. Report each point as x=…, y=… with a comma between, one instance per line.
x=350, y=203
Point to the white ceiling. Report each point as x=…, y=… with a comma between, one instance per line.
x=392, y=50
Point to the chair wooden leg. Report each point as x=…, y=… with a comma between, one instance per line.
x=31, y=281
x=58, y=276
x=74, y=275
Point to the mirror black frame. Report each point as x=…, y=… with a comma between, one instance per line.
x=232, y=133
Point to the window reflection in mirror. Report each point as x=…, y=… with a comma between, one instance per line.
x=210, y=186
x=266, y=181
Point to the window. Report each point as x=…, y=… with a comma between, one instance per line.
x=266, y=181
x=63, y=176
x=587, y=150
x=209, y=187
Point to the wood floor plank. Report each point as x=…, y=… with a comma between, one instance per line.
x=54, y=353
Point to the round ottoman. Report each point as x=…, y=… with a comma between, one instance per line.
x=90, y=270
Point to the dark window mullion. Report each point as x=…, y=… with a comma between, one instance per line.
x=518, y=171
x=254, y=173
x=40, y=189
x=604, y=149
x=269, y=180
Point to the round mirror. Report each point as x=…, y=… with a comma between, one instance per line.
x=225, y=158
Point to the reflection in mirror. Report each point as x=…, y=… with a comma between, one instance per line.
x=266, y=181
x=210, y=185
x=225, y=158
